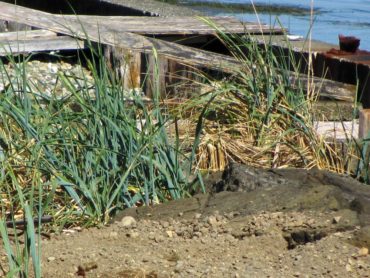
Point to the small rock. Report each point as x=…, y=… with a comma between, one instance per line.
x=170, y=234
x=165, y=224
x=204, y=231
x=51, y=259
x=113, y=235
x=133, y=235
x=336, y=219
x=298, y=257
x=219, y=217
x=127, y=221
x=158, y=238
x=348, y=267
x=179, y=266
x=363, y=252
x=86, y=267
x=151, y=236
x=179, y=232
x=212, y=221
x=197, y=215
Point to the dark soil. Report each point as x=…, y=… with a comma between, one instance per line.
x=251, y=223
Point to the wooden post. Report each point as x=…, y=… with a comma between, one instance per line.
x=127, y=66
x=169, y=77
x=364, y=128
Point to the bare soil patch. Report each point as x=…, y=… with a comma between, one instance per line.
x=252, y=223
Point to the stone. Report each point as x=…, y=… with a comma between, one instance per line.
x=363, y=252
x=348, y=267
x=113, y=235
x=51, y=259
x=127, y=221
x=212, y=221
x=133, y=235
x=336, y=219
x=165, y=224
x=158, y=238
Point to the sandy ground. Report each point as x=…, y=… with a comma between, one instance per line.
x=251, y=223
x=219, y=245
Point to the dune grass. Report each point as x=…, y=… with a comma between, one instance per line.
x=258, y=116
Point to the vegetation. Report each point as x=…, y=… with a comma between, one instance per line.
x=82, y=155
x=97, y=148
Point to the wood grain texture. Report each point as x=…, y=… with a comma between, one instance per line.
x=40, y=45
x=26, y=35
x=175, y=25
x=113, y=35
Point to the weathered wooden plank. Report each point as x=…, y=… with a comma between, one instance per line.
x=40, y=45
x=104, y=34
x=175, y=25
x=328, y=89
x=364, y=123
x=127, y=66
x=328, y=110
x=26, y=35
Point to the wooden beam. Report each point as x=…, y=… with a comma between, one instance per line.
x=364, y=122
x=40, y=45
x=175, y=25
x=107, y=35
x=327, y=88
x=26, y=35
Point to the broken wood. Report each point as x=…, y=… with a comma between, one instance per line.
x=327, y=89
x=26, y=35
x=40, y=45
x=175, y=25
x=364, y=122
x=113, y=36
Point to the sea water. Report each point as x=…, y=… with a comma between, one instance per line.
x=330, y=18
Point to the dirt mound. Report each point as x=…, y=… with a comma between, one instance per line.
x=251, y=223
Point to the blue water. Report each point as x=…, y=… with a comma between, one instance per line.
x=347, y=17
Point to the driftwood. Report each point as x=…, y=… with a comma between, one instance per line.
x=170, y=55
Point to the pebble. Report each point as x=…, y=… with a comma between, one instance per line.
x=151, y=236
x=348, y=267
x=363, y=252
x=212, y=221
x=51, y=259
x=336, y=219
x=165, y=224
x=113, y=235
x=133, y=235
x=127, y=221
x=179, y=266
x=170, y=234
x=158, y=238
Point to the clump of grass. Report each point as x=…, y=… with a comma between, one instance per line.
x=258, y=116
x=80, y=155
x=105, y=147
